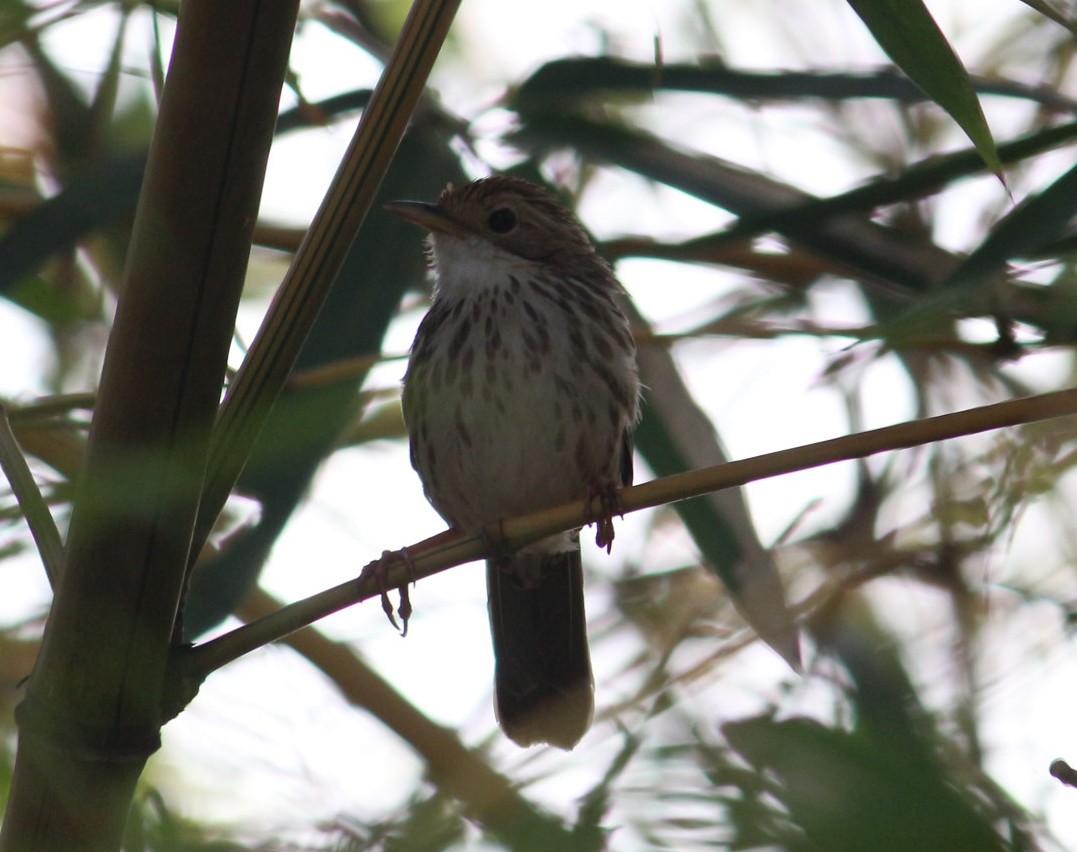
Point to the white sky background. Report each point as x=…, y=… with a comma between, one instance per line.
x=269, y=741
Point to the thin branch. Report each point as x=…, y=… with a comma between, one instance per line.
x=1045, y=8
x=1064, y=772
x=51, y=406
x=34, y=508
x=445, y=551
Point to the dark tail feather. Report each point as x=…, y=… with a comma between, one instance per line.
x=543, y=684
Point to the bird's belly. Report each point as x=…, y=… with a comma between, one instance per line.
x=517, y=438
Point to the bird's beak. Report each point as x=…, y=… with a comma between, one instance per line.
x=425, y=215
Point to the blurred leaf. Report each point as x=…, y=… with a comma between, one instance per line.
x=561, y=82
x=849, y=792
x=595, y=805
x=897, y=263
x=428, y=823
x=674, y=436
x=927, y=177
x=94, y=198
x=103, y=192
x=910, y=36
x=1061, y=15
x=152, y=826
x=40, y=297
x=1036, y=221
x=974, y=286
x=59, y=442
x=68, y=110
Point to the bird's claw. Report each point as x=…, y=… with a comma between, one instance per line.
x=608, y=496
x=379, y=569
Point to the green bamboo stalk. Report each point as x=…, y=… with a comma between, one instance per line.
x=92, y=711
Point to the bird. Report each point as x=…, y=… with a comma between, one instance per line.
x=522, y=393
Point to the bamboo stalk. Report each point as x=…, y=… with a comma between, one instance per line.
x=92, y=711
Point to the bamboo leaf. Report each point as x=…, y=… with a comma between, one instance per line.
x=1030, y=226
x=34, y=508
x=568, y=81
x=851, y=792
x=888, y=259
x=675, y=436
x=912, y=39
x=918, y=180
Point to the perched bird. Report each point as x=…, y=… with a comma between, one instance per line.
x=521, y=393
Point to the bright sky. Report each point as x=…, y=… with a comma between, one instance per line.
x=268, y=740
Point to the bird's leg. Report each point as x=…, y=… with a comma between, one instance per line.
x=492, y=543
x=607, y=493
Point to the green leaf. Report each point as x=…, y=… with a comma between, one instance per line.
x=849, y=791
x=673, y=436
x=42, y=299
x=912, y=39
x=929, y=176
x=1027, y=228
x=566, y=82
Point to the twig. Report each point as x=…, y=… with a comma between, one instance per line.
x=1064, y=772
x=441, y=552
x=34, y=508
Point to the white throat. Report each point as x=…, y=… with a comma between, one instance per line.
x=467, y=265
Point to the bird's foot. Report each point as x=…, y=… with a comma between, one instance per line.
x=608, y=497
x=379, y=570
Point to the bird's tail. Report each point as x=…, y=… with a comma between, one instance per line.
x=543, y=683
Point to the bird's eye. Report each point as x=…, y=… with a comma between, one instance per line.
x=502, y=220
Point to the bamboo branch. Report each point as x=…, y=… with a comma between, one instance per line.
x=441, y=552
x=34, y=508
